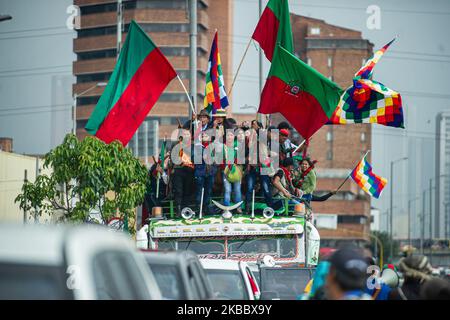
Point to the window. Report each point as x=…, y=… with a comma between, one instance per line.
x=329, y=136
x=30, y=282
x=330, y=62
x=315, y=31
x=352, y=219
x=117, y=276
x=329, y=155
x=228, y=284
x=363, y=136
x=169, y=281
x=325, y=221
x=309, y=61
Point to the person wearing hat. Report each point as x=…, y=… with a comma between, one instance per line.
x=346, y=278
x=219, y=121
x=203, y=118
x=416, y=271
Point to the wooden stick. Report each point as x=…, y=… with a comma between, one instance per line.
x=239, y=68
x=187, y=94
x=303, y=142
x=340, y=186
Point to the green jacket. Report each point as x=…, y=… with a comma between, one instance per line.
x=309, y=184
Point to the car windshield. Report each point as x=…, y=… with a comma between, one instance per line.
x=289, y=284
x=169, y=281
x=227, y=284
x=246, y=247
x=32, y=282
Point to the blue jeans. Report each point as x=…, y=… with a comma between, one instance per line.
x=237, y=195
x=265, y=185
x=205, y=182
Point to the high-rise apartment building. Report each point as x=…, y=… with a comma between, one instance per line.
x=442, y=177
x=167, y=23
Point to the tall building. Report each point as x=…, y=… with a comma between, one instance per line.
x=337, y=53
x=442, y=176
x=167, y=23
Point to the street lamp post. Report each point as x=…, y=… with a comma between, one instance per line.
x=391, y=254
x=446, y=219
x=431, y=211
x=409, y=219
x=75, y=97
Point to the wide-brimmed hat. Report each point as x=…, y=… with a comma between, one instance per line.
x=220, y=113
x=205, y=113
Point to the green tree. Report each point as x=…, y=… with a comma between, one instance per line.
x=82, y=174
x=385, y=240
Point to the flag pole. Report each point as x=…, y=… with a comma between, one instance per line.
x=239, y=67
x=189, y=98
x=303, y=142
x=340, y=186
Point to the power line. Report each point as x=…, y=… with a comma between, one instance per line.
x=34, y=112
x=30, y=30
x=37, y=36
x=14, y=108
x=306, y=5
x=37, y=68
x=35, y=74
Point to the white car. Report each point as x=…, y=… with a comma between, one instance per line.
x=231, y=279
x=78, y=262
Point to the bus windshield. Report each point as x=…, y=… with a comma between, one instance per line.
x=238, y=247
x=247, y=247
x=211, y=248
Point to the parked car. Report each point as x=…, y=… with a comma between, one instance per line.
x=284, y=283
x=71, y=262
x=231, y=279
x=180, y=275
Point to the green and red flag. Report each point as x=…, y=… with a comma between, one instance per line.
x=306, y=98
x=140, y=76
x=274, y=27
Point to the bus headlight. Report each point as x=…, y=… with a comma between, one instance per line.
x=187, y=213
x=268, y=213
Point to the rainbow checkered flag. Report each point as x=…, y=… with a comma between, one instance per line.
x=215, y=95
x=367, y=180
x=369, y=101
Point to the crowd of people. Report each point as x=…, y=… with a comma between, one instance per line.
x=219, y=157
x=346, y=275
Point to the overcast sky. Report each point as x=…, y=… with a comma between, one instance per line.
x=36, y=65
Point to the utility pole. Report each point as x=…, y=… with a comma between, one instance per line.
x=119, y=26
x=25, y=180
x=409, y=223
x=431, y=221
x=446, y=219
x=260, y=116
x=391, y=212
x=422, y=220
x=391, y=253
x=193, y=53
